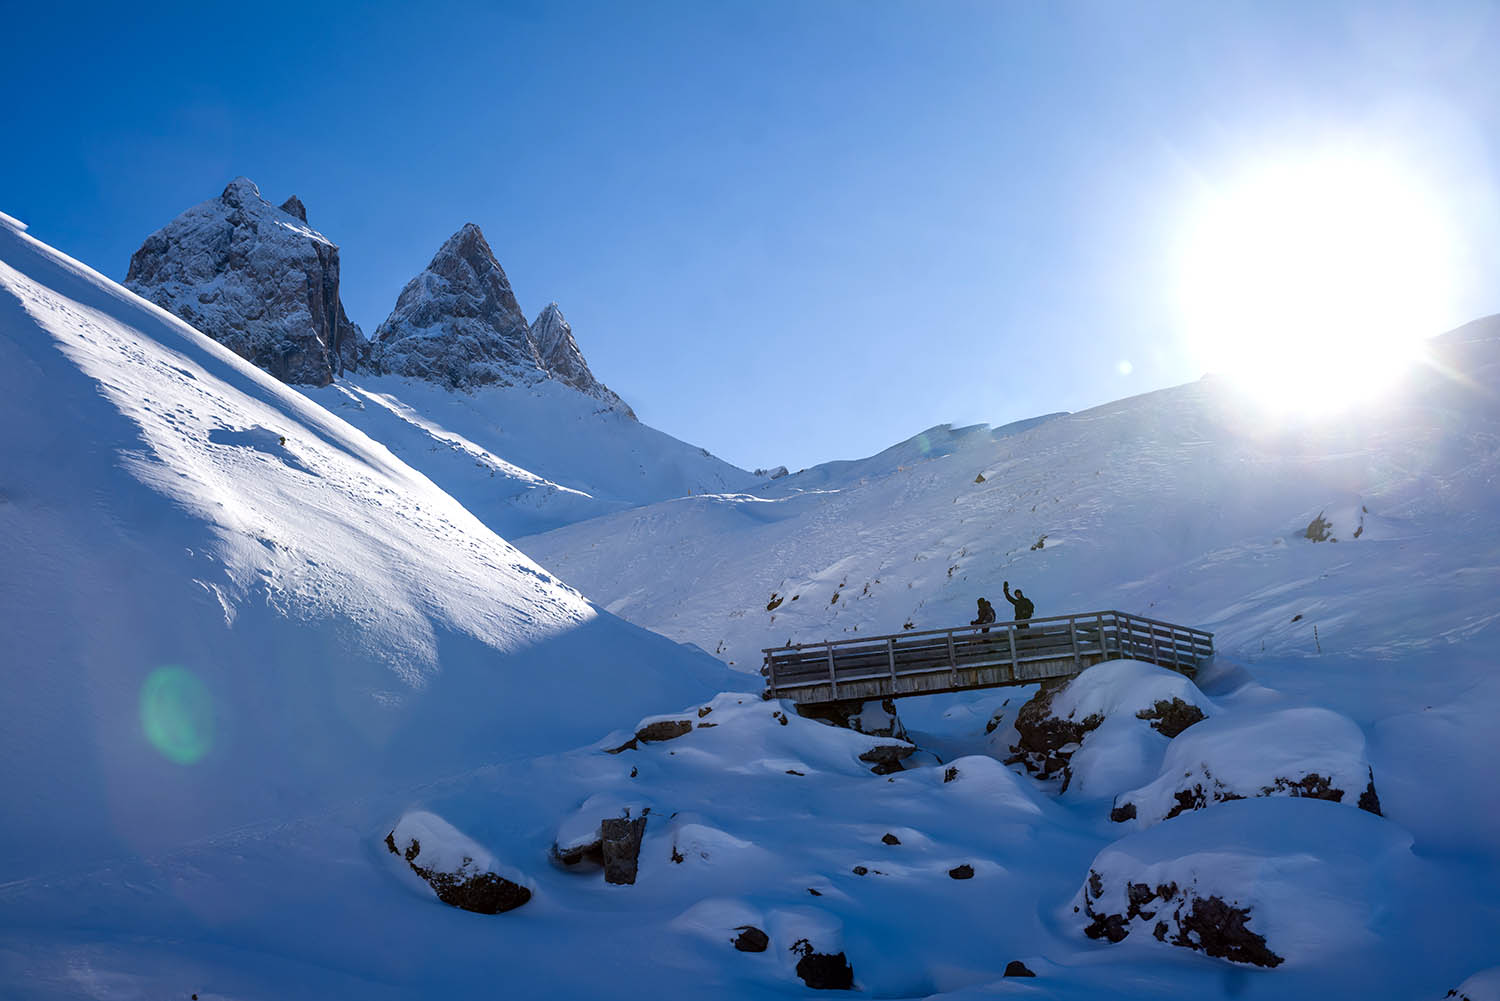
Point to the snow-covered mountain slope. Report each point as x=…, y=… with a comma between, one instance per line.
x=1182, y=504
x=241, y=663
x=255, y=278
x=224, y=606
x=529, y=458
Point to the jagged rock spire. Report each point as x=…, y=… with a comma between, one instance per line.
x=256, y=279
x=458, y=323
x=562, y=358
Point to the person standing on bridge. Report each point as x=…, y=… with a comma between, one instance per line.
x=1024, y=608
x=986, y=615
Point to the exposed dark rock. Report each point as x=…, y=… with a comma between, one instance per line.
x=793, y=771
x=822, y=971
x=860, y=870
x=1109, y=926
x=256, y=279
x=887, y=758
x=815, y=893
x=293, y=206
x=1319, y=529
x=1044, y=735
x=751, y=939
x=950, y=773
x=1219, y=930
x=890, y=839
x=705, y=711
x=621, y=844
x=1016, y=968
x=667, y=729
x=1120, y=814
x=1368, y=801
x=964, y=871
x=1169, y=718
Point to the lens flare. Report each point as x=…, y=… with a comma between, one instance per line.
x=177, y=714
x=1311, y=283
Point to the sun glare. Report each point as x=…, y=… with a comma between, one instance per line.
x=1311, y=285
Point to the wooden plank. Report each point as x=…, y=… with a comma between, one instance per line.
x=833, y=679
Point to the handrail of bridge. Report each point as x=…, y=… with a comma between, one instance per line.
x=1095, y=635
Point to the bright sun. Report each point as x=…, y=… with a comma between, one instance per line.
x=1311, y=285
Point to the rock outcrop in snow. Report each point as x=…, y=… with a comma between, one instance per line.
x=458, y=324
x=561, y=357
x=255, y=278
x=1307, y=753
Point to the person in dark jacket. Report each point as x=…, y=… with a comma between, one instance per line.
x=1024, y=607
x=986, y=615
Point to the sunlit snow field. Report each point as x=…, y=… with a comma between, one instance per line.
x=362, y=645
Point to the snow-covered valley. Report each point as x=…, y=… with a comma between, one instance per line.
x=254, y=630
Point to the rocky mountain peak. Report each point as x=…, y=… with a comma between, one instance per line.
x=294, y=206
x=458, y=323
x=256, y=279
x=562, y=358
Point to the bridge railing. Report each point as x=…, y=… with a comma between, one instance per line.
x=1083, y=638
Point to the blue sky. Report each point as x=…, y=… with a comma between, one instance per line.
x=787, y=231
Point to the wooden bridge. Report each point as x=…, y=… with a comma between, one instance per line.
x=970, y=657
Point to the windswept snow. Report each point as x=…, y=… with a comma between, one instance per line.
x=225, y=606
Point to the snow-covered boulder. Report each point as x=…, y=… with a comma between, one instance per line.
x=458, y=869
x=255, y=278
x=561, y=357
x=1305, y=752
x=1135, y=700
x=1260, y=882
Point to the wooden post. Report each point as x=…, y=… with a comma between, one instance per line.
x=771, y=672
x=1015, y=658
x=1155, y=649
x=1073, y=636
x=952, y=661
x=890, y=653
x=832, y=677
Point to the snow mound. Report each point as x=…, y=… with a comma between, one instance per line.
x=1304, y=752
x=226, y=606
x=1106, y=728
x=1262, y=881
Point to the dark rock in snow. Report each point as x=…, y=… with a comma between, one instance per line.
x=823, y=971
x=1044, y=735
x=1016, y=968
x=965, y=871
x=256, y=279
x=1169, y=718
x=1368, y=801
x=668, y=729
x=890, y=839
x=621, y=844
x=1120, y=814
x=751, y=939
x=887, y=758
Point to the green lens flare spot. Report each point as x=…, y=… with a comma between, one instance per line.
x=177, y=714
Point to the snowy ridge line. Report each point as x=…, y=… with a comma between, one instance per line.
x=12, y=222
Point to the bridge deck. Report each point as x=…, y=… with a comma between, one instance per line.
x=970, y=657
